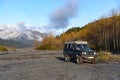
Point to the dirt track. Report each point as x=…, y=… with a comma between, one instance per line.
x=47, y=65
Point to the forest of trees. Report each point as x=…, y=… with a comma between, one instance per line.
x=102, y=34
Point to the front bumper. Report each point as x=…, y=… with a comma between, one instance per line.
x=88, y=56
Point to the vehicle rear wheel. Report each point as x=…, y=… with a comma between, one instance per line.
x=79, y=60
x=93, y=61
x=67, y=58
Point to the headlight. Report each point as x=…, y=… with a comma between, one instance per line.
x=95, y=53
x=84, y=53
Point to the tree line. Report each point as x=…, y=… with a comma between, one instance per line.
x=101, y=34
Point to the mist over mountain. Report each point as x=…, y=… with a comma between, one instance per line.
x=20, y=33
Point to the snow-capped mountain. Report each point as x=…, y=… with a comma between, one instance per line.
x=20, y=33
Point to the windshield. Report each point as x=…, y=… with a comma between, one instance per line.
x=83, y=46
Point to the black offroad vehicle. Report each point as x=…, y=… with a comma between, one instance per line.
x=79, y=51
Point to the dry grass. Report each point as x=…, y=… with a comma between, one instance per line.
x=3, y=48
x=115, y=58
x=108, y=57
x=13, y=49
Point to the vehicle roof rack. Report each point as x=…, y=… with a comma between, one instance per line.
x=77, y=42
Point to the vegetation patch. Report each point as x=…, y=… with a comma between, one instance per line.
x=49, y=43
x=12, y=49
x=3, y=48
x=108, y=57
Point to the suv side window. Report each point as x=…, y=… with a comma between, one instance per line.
x=68, y=45
x=74, y=46
x=71, y=46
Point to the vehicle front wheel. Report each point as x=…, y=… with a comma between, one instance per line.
x=93, y=61
x=67, y=58
x=79, y=60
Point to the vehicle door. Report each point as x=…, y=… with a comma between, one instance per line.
x=73, y=50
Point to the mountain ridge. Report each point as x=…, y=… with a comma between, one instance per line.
x=20, y=35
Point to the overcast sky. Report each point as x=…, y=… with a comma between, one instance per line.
x=43, y=13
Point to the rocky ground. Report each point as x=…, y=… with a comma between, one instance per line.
x=50, y=65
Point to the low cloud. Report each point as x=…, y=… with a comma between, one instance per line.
x=60, y=17
x=22, y=26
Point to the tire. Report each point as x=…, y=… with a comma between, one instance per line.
x=93, y=61
x=67, y=58
x=79, y=60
